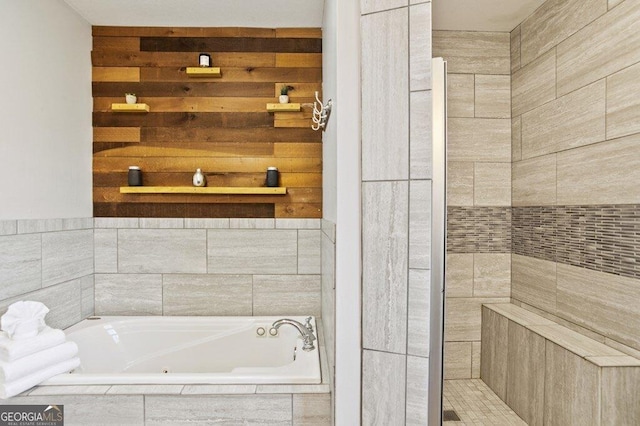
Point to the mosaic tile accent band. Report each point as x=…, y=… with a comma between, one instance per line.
x=603, y=238
x=479, y=229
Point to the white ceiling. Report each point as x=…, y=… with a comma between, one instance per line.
x=481, y=15
x=201, y=13
x=469, y=15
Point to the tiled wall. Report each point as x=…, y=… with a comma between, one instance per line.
x=207, y=266
x=328, y=249
x=478, y=188
x=603, y=238
x=576, y=166
x=49, y=261
x=197, y=404
x=396, y=210
x=478, y=229
x=162, y=266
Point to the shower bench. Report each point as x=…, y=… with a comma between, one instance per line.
x=549, y=374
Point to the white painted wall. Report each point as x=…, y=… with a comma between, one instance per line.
x=341, y=204
x=45, y=115
x=329, y=91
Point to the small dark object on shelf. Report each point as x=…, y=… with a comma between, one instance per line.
x=272, y=177
x=135, y=176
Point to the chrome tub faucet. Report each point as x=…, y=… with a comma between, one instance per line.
x=306, y=332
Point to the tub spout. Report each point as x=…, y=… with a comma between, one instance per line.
x=307, y=336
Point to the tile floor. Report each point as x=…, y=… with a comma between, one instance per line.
x=476, y=404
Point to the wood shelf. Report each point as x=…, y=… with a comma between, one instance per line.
x=129, y=107
x=293, y=107
x=204, y=72
x=203, y=190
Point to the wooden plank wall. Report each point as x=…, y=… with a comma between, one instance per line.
x=217, y=124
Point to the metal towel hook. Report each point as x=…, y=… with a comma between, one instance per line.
x=321, y=113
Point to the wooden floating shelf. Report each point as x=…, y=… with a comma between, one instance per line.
x=237, y=190
x=283, y=107
x=129, y=107
x=204, y=72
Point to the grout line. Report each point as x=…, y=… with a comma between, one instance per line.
x=555, y=160
x=386, y=352
x=474, y=96
x=555, y=69
x=93, y=234
x=376, y=12
x=473, y=184
x=606, y=107
x=520, y=48
x=409, y=121
x=206, y=250
x=408, y=220
x=117, y=251
x=297, y=251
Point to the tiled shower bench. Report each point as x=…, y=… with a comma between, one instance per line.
x=551, y=375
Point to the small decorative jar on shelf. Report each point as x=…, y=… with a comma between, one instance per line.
x=273, y=176
x=135, y=176
x=130, y=98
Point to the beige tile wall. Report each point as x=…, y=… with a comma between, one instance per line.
x=207, y=267
x=48, y=261
x=554, y=22
x=479, y=175
x=575, y=138
x=574, y=73
x=537, y=368
x=473, y=52
x=479, y=150
x=396, y=210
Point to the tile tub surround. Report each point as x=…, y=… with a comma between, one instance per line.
x=183, y=405
x=179, y=266
x=208, y=266
x=117, y=405
x=49, y=261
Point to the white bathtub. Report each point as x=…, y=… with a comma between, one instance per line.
x=189, y=350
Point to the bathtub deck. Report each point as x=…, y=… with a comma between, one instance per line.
x=166, y=404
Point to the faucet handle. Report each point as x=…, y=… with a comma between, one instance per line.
x=308, y=325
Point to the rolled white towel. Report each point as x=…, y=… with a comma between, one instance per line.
x=23, y=320
x=11, y=350
x=10, y=371
x=9, y=389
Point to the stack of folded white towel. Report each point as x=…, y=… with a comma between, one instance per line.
x=30, y=351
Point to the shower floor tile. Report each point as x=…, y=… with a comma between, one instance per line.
x=475, y=404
